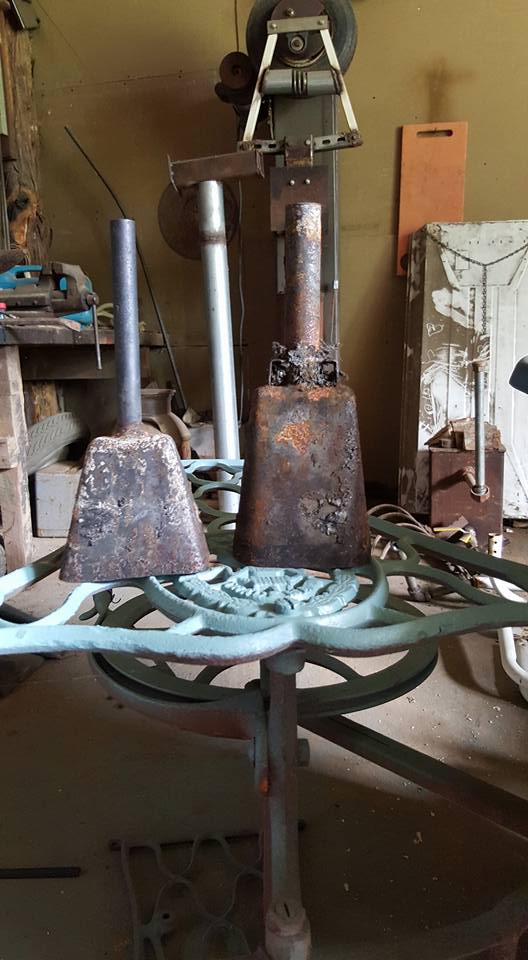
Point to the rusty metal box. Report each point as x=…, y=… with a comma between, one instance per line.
x=451, y=496
x=454, y=317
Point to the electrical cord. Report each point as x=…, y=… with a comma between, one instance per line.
x=181, y=398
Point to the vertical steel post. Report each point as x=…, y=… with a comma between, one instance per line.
x=480, y=487
x=126, y=322
x=287, y=927
x=218, y=309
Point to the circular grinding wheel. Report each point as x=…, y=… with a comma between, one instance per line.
x=343, y=27
x=178, y=219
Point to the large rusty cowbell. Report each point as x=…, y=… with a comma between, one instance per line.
x=303, y=499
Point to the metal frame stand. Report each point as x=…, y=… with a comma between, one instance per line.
x=284, y=618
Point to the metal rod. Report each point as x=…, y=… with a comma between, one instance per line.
x=41, y=873
x=480, y=429
x=126, y=323
x=97, y=338
x=218, y=310
x=182, y=401
x=498, y=806
x=303, y=275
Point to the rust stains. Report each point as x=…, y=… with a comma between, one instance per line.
x=298, y=434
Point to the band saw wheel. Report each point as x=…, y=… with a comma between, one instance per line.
x=343, y=28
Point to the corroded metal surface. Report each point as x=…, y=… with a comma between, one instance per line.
x=134, y=515
x=225, y=166
x=303, y=275
x=303, y=499
x=451, y=494
x=304, y=365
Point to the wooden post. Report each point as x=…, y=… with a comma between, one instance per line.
x=15, y=509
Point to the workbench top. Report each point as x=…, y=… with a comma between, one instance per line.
x=45, y=333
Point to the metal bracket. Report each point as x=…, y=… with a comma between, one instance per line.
x=265, y=82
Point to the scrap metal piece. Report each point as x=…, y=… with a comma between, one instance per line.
x=134, y=515
x=303, y=500
x=451, y=495
x=186, y=918
x=224, y=166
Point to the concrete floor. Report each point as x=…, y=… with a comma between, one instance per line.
x=381, y=858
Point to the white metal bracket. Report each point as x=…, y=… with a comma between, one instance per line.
x=321, y=25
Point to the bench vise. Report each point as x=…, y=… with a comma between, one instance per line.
x=60, y=288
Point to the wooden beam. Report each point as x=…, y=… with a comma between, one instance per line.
x=9, y=453
x=15, y=511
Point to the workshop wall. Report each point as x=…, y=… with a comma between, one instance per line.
x=135, y=80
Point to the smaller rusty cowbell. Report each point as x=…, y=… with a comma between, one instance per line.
x=134, y=515
x=303, y=498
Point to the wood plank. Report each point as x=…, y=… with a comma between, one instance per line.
x=41, y=401
x=432, y=179
x=15, y=511
x=10, y=383
x=9, y=453
x=16, y=526
x=45, y=334
x=28, y=227
x=61, y=363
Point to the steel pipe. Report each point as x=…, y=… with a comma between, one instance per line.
x=480, y=489
x=126, y=322
x=303, y=275
x=218, y=310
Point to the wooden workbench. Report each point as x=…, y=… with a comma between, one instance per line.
x=40, y=351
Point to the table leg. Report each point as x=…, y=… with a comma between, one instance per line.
x=287, y=927
x=15, y=512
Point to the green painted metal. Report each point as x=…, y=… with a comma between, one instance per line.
x=229, y=615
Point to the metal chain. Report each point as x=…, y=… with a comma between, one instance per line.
x=485, y=267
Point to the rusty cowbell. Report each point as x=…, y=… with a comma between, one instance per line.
x=134, y=515
x=303, y=498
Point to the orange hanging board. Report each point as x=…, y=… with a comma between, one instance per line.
x=433, y=173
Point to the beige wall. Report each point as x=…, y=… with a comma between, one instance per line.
x=135, y=79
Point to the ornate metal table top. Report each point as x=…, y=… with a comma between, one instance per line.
x=229, y=614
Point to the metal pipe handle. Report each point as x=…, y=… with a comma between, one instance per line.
x=126, y=323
